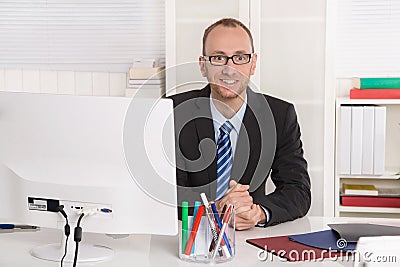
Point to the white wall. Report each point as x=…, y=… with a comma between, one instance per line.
x=292, y=67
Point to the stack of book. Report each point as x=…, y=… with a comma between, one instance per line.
x=369, y=196
x=375, y=88
x=146, y=79
x=362, y=140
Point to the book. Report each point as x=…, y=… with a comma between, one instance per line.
x=146, y=86
x=379, y=140
x=146, y=81
x=358, y=189
x=376, y=83
x=370, y=201
x=389, y=192
x=148, y=93
x=146, y=73
x=145, y=63
x=374, y=94
x=367, y=164
x=345, y=139
x=356, y=140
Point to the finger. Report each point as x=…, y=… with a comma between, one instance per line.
x=234, y=186
x=237, y=198
x=242, y=224
x=242, y=209
x=240, y=202
x=249, y=214
x=241, y=187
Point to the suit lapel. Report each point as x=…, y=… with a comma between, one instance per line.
x=246, y=144
x=205, y=131
x=255, y=148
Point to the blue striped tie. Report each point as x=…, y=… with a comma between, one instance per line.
x=224, y=159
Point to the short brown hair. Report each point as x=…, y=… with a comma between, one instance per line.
x=227, y=22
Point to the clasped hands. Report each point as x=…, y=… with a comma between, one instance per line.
x=247, y=214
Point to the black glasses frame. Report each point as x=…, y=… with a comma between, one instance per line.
x=209, y=58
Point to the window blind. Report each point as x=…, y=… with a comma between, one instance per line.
x=368, y=38
x=97, y=35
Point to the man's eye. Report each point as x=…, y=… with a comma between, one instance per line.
x=242, y=58
x=219, y=58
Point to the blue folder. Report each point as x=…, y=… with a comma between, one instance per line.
x=327, y=240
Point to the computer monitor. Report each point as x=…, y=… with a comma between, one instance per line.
x=85, y=152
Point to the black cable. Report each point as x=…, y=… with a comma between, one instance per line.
x=66, y=231
x=77, y=238
x=65, y=251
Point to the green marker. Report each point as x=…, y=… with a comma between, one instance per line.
x=185, y=224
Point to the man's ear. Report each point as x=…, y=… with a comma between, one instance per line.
x=202, y=65
x=254, y=64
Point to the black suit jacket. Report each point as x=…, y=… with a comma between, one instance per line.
x=268, y=143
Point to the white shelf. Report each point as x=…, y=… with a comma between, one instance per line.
x=389, y=179
x=386, y=175
x=346, y=100
x=368, y=209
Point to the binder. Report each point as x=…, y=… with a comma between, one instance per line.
x=356, y=140
x=379, y=140
x=370, y=201
x=367, y=166
x=345, y=139
x=283, y=247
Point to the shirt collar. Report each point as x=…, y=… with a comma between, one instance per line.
x=220, y=119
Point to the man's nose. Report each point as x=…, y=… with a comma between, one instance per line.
x=229, y=68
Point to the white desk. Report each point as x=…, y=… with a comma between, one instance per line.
x=147, y=250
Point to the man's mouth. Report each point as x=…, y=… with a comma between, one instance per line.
x=229, y=82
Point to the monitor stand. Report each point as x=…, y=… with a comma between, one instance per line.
x=86, y=253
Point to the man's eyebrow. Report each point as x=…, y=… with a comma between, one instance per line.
x=241, y=52
x=238, y=52
x=219, y=52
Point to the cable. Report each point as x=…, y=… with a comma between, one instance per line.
x=67, y=231
x=77, y=237
x=65, y=251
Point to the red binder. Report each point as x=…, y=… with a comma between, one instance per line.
x=291, y=250
x=374, y=93
x=369, y=201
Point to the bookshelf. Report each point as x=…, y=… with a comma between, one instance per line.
x=391, y=176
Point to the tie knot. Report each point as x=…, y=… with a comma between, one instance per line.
x=226, y=128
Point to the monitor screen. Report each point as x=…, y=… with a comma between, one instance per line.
x=112, y=154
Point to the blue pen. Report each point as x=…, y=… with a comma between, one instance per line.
x=16, y=226
x=218, y=220
x=196, y=207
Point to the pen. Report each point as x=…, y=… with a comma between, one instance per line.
x=193, y=233
x=185, y=224
x=211, y=220
x=196, y=207
x=18, y=226
x=221, y=234
x=218, y=220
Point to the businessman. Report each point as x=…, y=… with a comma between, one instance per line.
x=230, y=139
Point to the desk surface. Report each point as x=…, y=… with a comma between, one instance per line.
x=148, y=250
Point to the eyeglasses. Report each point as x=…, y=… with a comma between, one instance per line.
x=223, y=60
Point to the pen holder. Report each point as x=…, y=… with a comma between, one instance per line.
x=199, y=245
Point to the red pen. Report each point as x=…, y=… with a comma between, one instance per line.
x=193, y=233
x=221, y=234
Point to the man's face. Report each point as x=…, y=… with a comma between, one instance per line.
x=228, y=81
